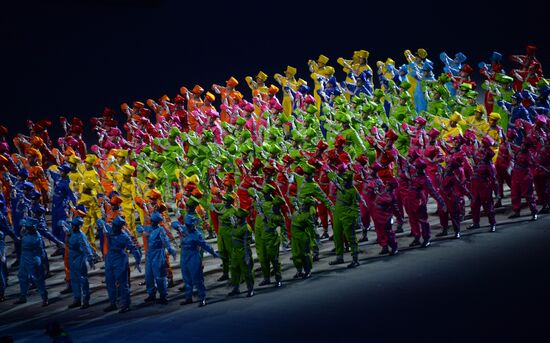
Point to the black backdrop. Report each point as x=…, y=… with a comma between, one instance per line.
x=68, y=58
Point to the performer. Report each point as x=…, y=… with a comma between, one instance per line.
x=7, y=229
x=3, y=268
x=242, y=262
x=91, y=206
x=483, y=184
x=258, y=84
x=116, y=263
x=63, y=198
x=31, y=268
x=522, y=179
x=267, y=239
x=80, y=253
x=289, y=85
x=452, y=191
x=503, y=164
x=191, y=259
x=302, y=224
x=155, y=266
x=309, y=188
x=541, y=176
x=382, y=203
x=127, y=191
x=319, y=72
x=226, y=211
x=419, y=188
x=38, y=212
x=515, y=110
x=346, y=214
x=228, y=95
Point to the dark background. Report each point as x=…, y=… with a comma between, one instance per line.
x=63, y=58
x=73, y=58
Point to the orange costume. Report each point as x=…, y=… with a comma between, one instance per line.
x=194, y=102
x=229, y=97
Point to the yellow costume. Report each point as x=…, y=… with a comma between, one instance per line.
x=89, y=173
x=356, y=65
x=75, y=175
x=319, y=69
x=447, y=126
x=93, y=211
x=495, y=132
x=480, y=126
x=414, y=67
x=146, y=190
x=387, y=73
x=287, y=81
x=258, y=88
x=127, y=191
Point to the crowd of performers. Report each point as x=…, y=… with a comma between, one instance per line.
x=268, y=170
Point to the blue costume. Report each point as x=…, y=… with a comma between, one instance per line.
x=17, y=197
x=365, y=86
x=192, y=242
x=3, y=209
x=3, y=267
x=31, y=268
x=401, y=74
x=531, y=98
x=496, y=58
x=330, y=90
x=383, y=81
x=80, y=252
x=62, y=197
x=38, y=212
x=517, y=111
x=420, y=101
x=7, y=230
x=155, y=263
x=327, y=94
x=116, y=261
x=452, y=66
x=542, y=102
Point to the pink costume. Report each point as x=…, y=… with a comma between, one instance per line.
x=453, y=191
x=383, y=206
x=419, y=188
x=503, y=164
x=522, y=178
x=483, y=183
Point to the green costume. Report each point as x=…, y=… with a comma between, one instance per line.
x=224, y=235
x=309, y=189
x=346, y=214
x=403, y=111
x=502, y=91
x=162, y=183
x=357, y=147
x=242, y=262
x=144, y=165
x=438, y=108
x=173, y=153
x=302, y=226
x=468, y=110
x=268, y=219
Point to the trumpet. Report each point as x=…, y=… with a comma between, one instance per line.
x=345, y=63
x=409, y=56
